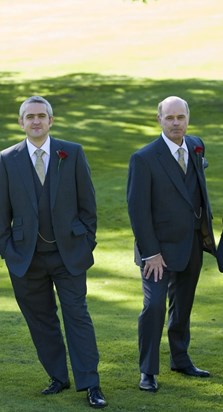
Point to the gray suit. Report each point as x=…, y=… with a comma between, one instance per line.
x=163, y=204
x=72, y=215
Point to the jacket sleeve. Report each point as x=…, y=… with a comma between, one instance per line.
x=5, y=208
x=86, y=196
x=139, y=193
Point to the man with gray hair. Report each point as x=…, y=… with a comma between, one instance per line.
x=171, y=221
x=47, y=236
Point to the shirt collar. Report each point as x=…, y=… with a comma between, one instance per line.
x=173, y=146
x=32, y=148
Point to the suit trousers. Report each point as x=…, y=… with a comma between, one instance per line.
x=35, y=294
x=180, y=288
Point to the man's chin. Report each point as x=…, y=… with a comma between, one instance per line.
x=37, y=135
x=177, y=134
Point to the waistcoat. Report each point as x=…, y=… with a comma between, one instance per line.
x=194, y=191
x=44, y=214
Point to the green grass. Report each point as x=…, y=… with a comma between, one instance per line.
x=105, y=65
x=112, y=116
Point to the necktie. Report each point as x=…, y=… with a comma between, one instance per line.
x=181, y=159
x=39, y=165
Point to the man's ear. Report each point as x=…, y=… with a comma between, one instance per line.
x=51, y=120
x=20, y=121
x=158, y=118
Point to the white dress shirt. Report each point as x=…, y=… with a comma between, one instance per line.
x=46, y=155
x=174, y=148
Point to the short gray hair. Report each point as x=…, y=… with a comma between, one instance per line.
x=35, y=99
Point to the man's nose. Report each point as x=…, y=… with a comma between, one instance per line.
x=175, y=120
x=36, y=119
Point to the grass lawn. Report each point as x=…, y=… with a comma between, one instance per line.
x=112, y=115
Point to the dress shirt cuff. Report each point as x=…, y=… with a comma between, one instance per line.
x=150, y=257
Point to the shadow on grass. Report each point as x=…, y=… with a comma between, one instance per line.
x=112, y=116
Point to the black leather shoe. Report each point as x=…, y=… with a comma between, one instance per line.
x=148, y=383
x=96, y=398
x=192, y=371
x=55, y=387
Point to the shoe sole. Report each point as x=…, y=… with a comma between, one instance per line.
x=142, y=388
x=98, y=407
x=190, y=375
x=55, y=393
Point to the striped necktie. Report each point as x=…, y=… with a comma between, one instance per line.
x=39, y=165
x=181, y=160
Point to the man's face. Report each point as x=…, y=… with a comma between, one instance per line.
x=36, y=122
x=174, y=120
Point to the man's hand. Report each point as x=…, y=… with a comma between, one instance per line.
x=154, y=265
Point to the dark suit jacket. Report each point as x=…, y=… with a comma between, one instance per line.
x=160, y=210
x=72, y=202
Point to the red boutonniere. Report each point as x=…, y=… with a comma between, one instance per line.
x=62, y=155
x=198, y=149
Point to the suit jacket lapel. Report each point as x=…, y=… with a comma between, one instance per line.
x=23, y=164
x=55, y=168
x=198, y=164
x=170, y=165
